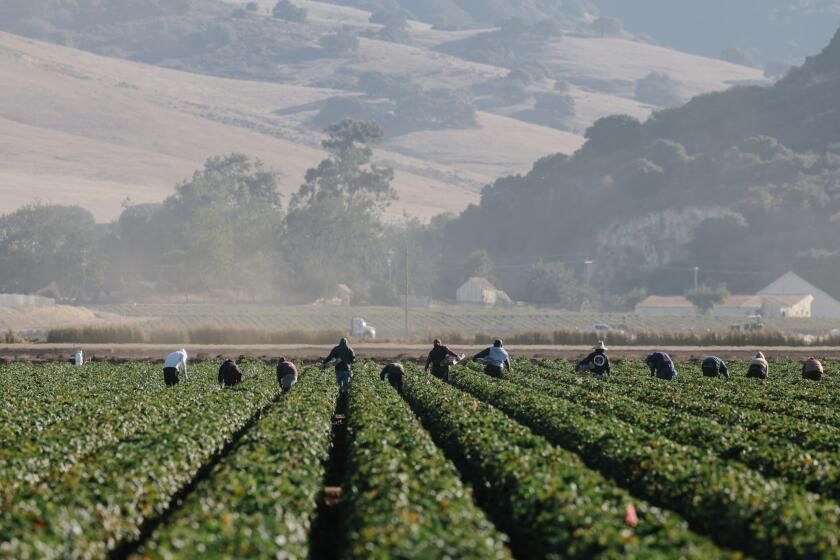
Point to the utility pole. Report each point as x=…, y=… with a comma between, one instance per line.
x=696, y=277
x=406, y=287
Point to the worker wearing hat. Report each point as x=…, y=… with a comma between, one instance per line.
x=597, y=363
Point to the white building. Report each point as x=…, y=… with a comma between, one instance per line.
x=823, y=306
x=478, y=290
x=770, y=305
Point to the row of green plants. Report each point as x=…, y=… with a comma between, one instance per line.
x=119, y=404
x=736, y=506
x=816, y=471
x=547, y=501
x=775, y=396
x=403, y=497
x=261, y=500
x=135, y=333
x=697, y=398
x=103, y=500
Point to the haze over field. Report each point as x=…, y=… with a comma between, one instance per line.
x=568, y=152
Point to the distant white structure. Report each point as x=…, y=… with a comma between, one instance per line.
x=766, y=305
x=360, y=329
x=480, y=291
x=823, y=306
x=19, y=299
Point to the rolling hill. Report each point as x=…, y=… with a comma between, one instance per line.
x=116, y=115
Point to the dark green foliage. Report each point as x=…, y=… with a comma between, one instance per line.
x=735, y=505
x=705, y=298
x=658, y=89
x=404, y=499
x=261, y=500
x=560, y=509
x=289, y=12
x=341, y=43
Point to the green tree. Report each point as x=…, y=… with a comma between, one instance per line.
x=42, y=245
x=285, y=10
x=705, y=298
x=333, y=232
x=556, y=285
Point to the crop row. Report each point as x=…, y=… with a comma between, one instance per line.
x=46, y=453
x=37, y=397
x=260, y=501
x=104, y=499
x=772, y=397
x=547, y=501
x=403, y=497
x=818, y=472
x=737, y=506
x=781, y=429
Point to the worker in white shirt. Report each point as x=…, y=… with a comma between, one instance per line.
x=79, y=358
x=175, y=362
x=495, y=359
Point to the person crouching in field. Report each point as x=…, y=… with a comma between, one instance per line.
x=661, y=366
x=715, y=367
x=758, y=367
x=812, y=369
x=495, y=359
x=175, y=362
x=597, y=363
x=230, y=374
x=395, y=372
x=342, y=356
x=287, y=375
x=441, y=358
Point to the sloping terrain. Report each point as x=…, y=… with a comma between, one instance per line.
x=82, y=128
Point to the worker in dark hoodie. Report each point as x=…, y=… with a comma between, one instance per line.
x=230, y=374
x=342, y=357
x=441, y=359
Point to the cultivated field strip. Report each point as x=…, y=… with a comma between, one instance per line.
x=736, y=506
x=651, y=395
x=816, y=471
x=403, y=497
x=103, y=501
x=261, y=499
x=547, y=501
x=38, y=397
x=85, y=430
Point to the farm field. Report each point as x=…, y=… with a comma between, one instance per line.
x=104, y=460
x=427, y=321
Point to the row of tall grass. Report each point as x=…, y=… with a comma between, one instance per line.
x=571, y=337
x=137, y=334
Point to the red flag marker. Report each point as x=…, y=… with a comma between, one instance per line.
x=631, y=518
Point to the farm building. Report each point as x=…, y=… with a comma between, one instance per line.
x=481, y=291
x=823, y=306
x=769, y=305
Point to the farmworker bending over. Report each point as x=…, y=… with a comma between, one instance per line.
x=495, y=359
x=230, y=374
x=661, y=366
x=287, y=374
x=715, y=367
x=175, y=362
x=597, y=362
x=758, y=367
x=812, y=369
x=342, y=356
x=395, y=373
x=441, y=358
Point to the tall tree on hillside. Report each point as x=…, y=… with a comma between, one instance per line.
x=333, y=230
